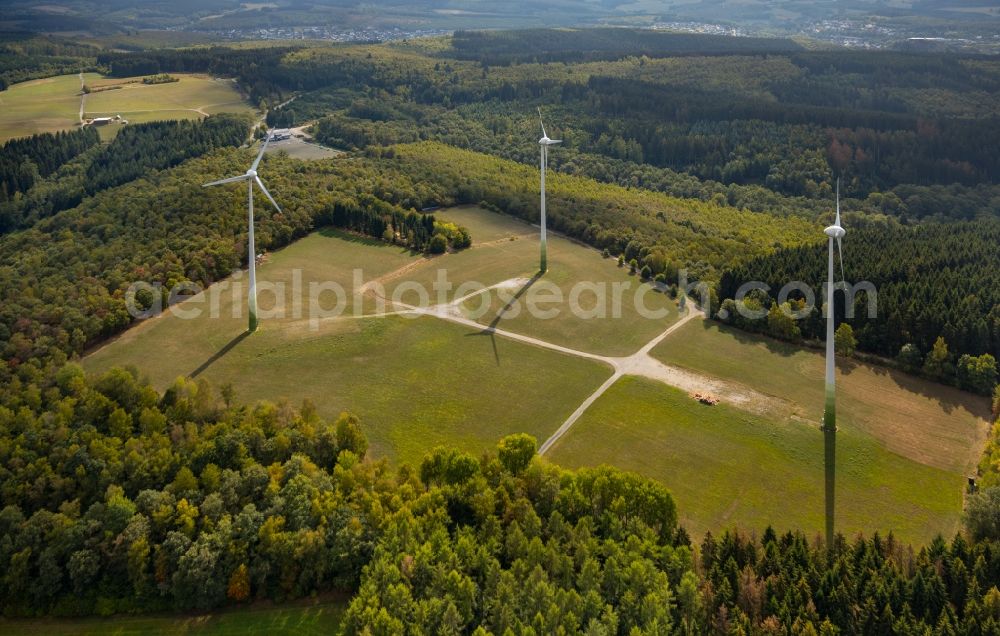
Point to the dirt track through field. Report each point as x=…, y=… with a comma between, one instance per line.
x=641, y=363
x=83, y=97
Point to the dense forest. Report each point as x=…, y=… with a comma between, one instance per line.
x=24, y=161
x=585, y=45
x=911, y=134
x=164, y=144
x=121, y=499
x=135, y=150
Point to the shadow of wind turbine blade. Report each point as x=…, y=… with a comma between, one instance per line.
x=218, y=354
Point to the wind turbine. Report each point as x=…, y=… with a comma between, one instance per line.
x=544, y=144
x=834, y=232
x=251, y=177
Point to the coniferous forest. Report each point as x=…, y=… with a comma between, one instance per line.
x=24, y=161
x=933, y=281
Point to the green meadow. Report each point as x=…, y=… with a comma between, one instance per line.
x=415, y=382
x=730, y=468
x=40, y=106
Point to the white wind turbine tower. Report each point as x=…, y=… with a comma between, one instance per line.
x=544, y=143
x=251, y=177
x=834, y=232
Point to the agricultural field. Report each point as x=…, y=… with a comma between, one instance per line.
x=901, y=467
x=40, y=106
x=929, y=423
x=53, y=104
x=192, y=97
x=299, y=618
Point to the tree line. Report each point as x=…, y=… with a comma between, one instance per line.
x=522, y=46
x=25, y=56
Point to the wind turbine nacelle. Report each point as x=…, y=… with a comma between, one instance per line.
x=251, y=172
x=835, y=231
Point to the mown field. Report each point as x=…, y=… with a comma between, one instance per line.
x=591, y=320
x=727, y=467
x=306, y=618
x=53, y=104
x=193, y=96
x=905, y=445
x=415, y=382
x=39, y=106
x=929, y=423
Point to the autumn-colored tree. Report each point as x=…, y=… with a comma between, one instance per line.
x=239, y=584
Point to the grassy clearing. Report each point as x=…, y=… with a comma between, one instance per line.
x=196, y=95
x=53, y=104
x=925, y=422
x=415, y=383
x=301, y=149
x=508, y=248
x=487, y=226
x=38, y=106
x=729, y=468
x=299, y=618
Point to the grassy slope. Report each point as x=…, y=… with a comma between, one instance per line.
x=145, y=102
x=569, y=263
x=304, y=618
x=926, y=422
x=729, y=468
x=414, y=383
x=45, y=105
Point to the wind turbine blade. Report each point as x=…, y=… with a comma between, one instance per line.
x=261, y=153
x=840, y=253
x=837, y=221
x=242, y=177
x=267, y=194
x=544, y=134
